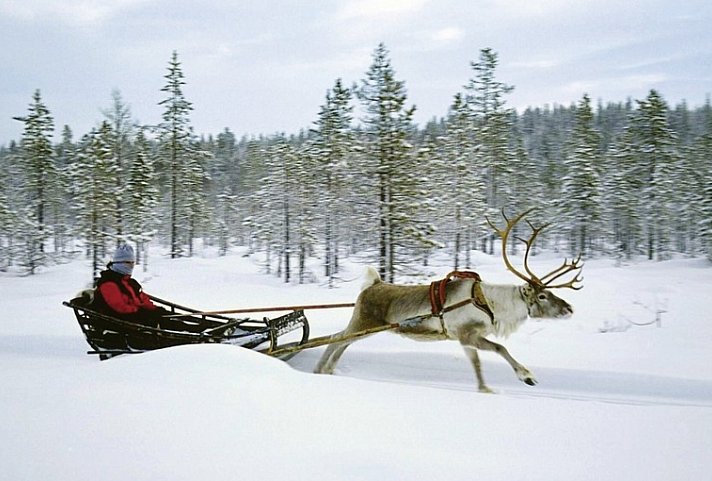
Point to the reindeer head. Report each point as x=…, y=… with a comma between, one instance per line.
x=541, y=302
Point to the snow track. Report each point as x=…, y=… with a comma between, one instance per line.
x=450, y=372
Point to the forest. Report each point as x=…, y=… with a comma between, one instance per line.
x=622, y=179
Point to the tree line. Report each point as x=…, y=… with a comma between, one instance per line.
x=619, y=179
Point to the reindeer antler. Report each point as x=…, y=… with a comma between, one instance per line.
x=565, y=268
x=504, y=234
x=546, y=280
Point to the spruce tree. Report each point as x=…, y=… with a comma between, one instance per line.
x=658, y=152
x=94, y=190
x=387, y=124
x=40, y=182
x=623, y=205
x=492, y=123
x=142, y=194
x=274, y=222
x=10, y=199
x=196, y=209
x=580, y=197
x=119, y=117
x=7, y=224
x=331, y=148
x=702, y=159
x=175, y=148
x=462, y=200
x=65, y=154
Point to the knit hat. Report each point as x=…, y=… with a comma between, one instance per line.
x=124, y=253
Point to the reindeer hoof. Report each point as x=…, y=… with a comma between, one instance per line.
x=526, y=376
x=486, y=390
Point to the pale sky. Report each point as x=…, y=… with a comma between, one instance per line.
x=264, y=66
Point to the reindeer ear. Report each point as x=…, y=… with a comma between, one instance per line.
x=528, y=292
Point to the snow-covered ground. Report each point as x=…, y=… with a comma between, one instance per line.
x=615, y=401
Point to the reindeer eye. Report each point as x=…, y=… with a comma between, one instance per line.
x=542, y=297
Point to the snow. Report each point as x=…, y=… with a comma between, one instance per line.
x=614, y=400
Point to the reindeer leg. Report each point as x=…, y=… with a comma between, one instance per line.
x=522, y=372
x=474, y=358
x=332, y=354
x=334, y=351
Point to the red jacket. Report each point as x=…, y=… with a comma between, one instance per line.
x=127, y=299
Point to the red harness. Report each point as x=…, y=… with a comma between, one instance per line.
x=477, y=298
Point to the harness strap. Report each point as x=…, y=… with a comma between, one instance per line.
x=477, y=297
x=438, y=293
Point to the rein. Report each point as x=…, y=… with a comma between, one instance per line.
x=477, y=298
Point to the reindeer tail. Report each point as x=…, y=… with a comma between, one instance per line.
x=371, y=277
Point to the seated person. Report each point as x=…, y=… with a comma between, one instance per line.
x=120, y=295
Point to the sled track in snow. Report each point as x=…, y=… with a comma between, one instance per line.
x=537, y=392
x=442, y=371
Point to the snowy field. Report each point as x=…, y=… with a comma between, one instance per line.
x=615, y=400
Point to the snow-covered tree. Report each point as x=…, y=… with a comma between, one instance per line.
x=623, y=206
x=702, y=159
x=142, y=194
x=94, y=190
x=462, y=202
x=10, y=192
x=119, y=117
x=227, y=217
x=7, y=224
x=274, y=221
x=331, y=148
x=658, y=152
x=580, y=197
x=492, y=119
x=389, y=157
x=65, y=153
x=176, y=150
x=40, y=182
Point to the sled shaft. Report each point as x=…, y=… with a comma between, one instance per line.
x=324, y=340
x=270, y=309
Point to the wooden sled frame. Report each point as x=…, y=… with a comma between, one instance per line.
x=109, y=336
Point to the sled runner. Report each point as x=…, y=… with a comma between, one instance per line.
x=109, y=336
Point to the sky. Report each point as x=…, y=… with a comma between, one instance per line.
x=262, y=67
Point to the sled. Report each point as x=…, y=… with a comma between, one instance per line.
x=110, y=336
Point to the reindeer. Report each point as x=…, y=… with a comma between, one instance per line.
x=462, y=318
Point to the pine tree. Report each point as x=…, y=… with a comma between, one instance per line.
x=65, y=154
x=10, y=194
x=225, y=167
x=274, y=222
x=580, y=198
x=7, y=224
x=119, y=117
x=525, y=186
x=142, y=194
x=657, y=149
x=463, y=200
x=94, y=190
x=387, y=126
x=623, y=206
x=226, y=220
x=331, y=147
x=196, y=210
x=492, y=124
x=175, y=146
x=702, y=159
x=40, y=183
x=254, y=201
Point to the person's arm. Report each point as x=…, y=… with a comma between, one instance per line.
x=146, y=302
